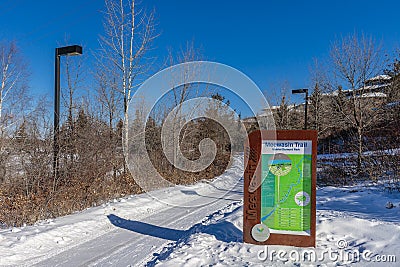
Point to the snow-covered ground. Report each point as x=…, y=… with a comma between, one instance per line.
x=392, y=151
x=353, y=228
x=204, y=228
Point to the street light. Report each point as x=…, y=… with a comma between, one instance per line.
x=72, y=50
x=303, y=91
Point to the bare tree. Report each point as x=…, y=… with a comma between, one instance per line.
x=182, y=93
x=128, y=35
x=287, y=115
x=109, y=98
x=73, y=74
x=13, y=98
x=282, y=114
x=13, y=84
x=319, y=100
x=355, y=60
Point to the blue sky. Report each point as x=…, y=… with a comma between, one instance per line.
x=271, y=41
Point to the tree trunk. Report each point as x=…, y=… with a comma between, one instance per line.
x=360, y=149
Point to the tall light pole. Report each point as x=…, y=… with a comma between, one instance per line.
x=72, y=50
x=303, y=91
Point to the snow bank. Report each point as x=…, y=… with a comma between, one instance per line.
x=351, y=221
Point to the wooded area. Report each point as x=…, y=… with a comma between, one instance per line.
x=352, y=112
x=355, y=106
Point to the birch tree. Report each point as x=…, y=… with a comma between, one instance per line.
x=13, y=75
x=13, y=84
x=128, y=35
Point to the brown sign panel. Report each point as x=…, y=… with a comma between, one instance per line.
x=280, y=188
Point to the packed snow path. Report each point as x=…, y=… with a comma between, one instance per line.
x=137, y=241
x=127, y=232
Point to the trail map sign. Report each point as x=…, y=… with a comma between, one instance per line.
x=280, y=181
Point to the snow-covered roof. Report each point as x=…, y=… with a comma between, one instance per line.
x=380, y=77
x=365, y=88
x=334, y=93
x=273, y=108
x=376, y=94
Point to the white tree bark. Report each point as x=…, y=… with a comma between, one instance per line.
x=128, y=35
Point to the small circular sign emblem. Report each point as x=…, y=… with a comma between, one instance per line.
x=302, y=198
x=260, y=232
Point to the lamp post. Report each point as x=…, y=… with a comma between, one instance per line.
x=303, y=91
x=72, y=50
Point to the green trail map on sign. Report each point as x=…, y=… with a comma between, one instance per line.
x=286, y=191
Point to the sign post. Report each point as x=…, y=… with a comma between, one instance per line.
x=280, y=188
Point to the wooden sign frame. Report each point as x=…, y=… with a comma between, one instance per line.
x=253, y=189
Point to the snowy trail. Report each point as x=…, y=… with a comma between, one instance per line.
x=135, y=242
x=127, y=232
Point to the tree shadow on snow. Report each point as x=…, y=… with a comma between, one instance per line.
x=223, y=231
